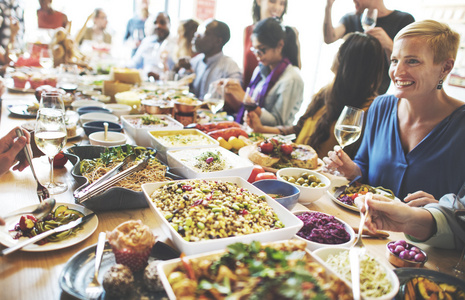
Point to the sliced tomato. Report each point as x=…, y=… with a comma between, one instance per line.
x=255, y=171
x=286, y=149
x=266, y=175
x=266, y=147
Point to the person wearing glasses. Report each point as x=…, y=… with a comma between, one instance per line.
x=262, y=9
x=277, y=86
x=358, y=70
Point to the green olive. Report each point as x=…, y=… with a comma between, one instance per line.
x=291, y=179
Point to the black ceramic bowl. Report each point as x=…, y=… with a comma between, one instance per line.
x=114, y=198
x=88, y=109
x=94, y=126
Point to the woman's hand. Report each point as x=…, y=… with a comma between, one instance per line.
x=419, y=199
x=233, y=93
x=338, y=160
x=253, y=120
x=10, y=151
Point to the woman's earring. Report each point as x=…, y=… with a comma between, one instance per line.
x=439, y=86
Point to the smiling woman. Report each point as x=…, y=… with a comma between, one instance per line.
x=420, y=124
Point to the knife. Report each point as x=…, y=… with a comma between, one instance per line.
x=45, y=234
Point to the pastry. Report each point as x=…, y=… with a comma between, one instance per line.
x=131, y=243
x=20, y=79
x=118, y=280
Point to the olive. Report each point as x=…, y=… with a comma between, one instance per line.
x=291, y=179
x=300, y=180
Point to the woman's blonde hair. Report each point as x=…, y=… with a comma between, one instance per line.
x=439, y=36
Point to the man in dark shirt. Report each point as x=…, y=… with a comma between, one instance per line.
x=388, y=24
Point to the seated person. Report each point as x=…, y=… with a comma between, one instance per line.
x=97, y=33
x=413, y=139
x=154, y=55
x=48, y=18
x=135, y=26
x=276, y=86
x=186, y=32
x=440, y=224
x=358, y=68
x=210, y=64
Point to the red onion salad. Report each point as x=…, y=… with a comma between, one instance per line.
x=321, y=228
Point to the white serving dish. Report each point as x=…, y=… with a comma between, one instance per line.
x=157, y=142
x=291, y=222
x=324, y=253
x=118, y=109
x=113, y=138
x=315, y=245
x=96, y=116
x=165, y=268
x=140, y=133
x=307, y=194
x=80, y=103
x=182, y=163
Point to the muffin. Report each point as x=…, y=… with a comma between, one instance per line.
x=118, y=281
x=36, y=80
x=20, y=79
x=131, y=243
x=50, y=80
x=151, y=278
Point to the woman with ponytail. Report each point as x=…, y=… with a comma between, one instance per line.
x=276, y=86
x=358, y=71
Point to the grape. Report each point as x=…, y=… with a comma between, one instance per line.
x=416, y=249
x=412, y=253
x=420, y=257
x=404, y=255
x=391, y=247
x=399, y=249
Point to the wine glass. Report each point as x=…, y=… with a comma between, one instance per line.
x=369, y=17
x=215, y=97
x=50, y=138
x=46, y=58
x=53, y=100
x=349, y=126
x=459, y=268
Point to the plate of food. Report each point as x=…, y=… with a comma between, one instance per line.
x=273, y=154
x=19, y=228
x=346, y=199
x=24, y=110
x=415, y=280
x=92, y=162
x=79, y=271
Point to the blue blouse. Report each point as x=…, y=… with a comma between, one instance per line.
x=436, y=165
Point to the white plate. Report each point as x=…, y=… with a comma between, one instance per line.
x=337, y=182
x=245, y=152
x=82, y=234
x=79, y=131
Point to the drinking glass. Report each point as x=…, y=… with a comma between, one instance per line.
x=348, y=126
x=50, y=137
x=369, y=17
x=459, y=268
x=215, y=97
x=46, y=58
x=53, y=100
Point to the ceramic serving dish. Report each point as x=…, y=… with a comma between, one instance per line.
x=291, y=223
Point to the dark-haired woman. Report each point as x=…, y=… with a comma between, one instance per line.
x=276, y=86
x=261, y=9
x=358, y=71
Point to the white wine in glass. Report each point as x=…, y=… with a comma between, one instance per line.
x=46, y=58
x=214, y=98
x=50, y=137
x=348, y=126
x=369, y=17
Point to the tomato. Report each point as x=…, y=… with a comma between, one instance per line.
x=286, y=149
x=266, y=175
x=60, y=160
x=255, y=171
x=266, y=147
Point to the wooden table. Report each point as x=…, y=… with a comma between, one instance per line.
x=35, y=275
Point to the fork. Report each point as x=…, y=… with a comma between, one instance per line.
x=94, y=288
x=356, y=252
x=42, y=191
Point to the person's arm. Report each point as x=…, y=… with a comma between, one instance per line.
x=233, y=94
x=331, y=33
x=340, y=161
x=253, y=120
x=384, y=39
x=394, y=215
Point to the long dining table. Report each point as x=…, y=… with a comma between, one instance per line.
x=35, y=275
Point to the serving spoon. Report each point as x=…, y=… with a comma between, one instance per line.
x=41, y=210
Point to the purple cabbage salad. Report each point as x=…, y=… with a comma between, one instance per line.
x=321, y=228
